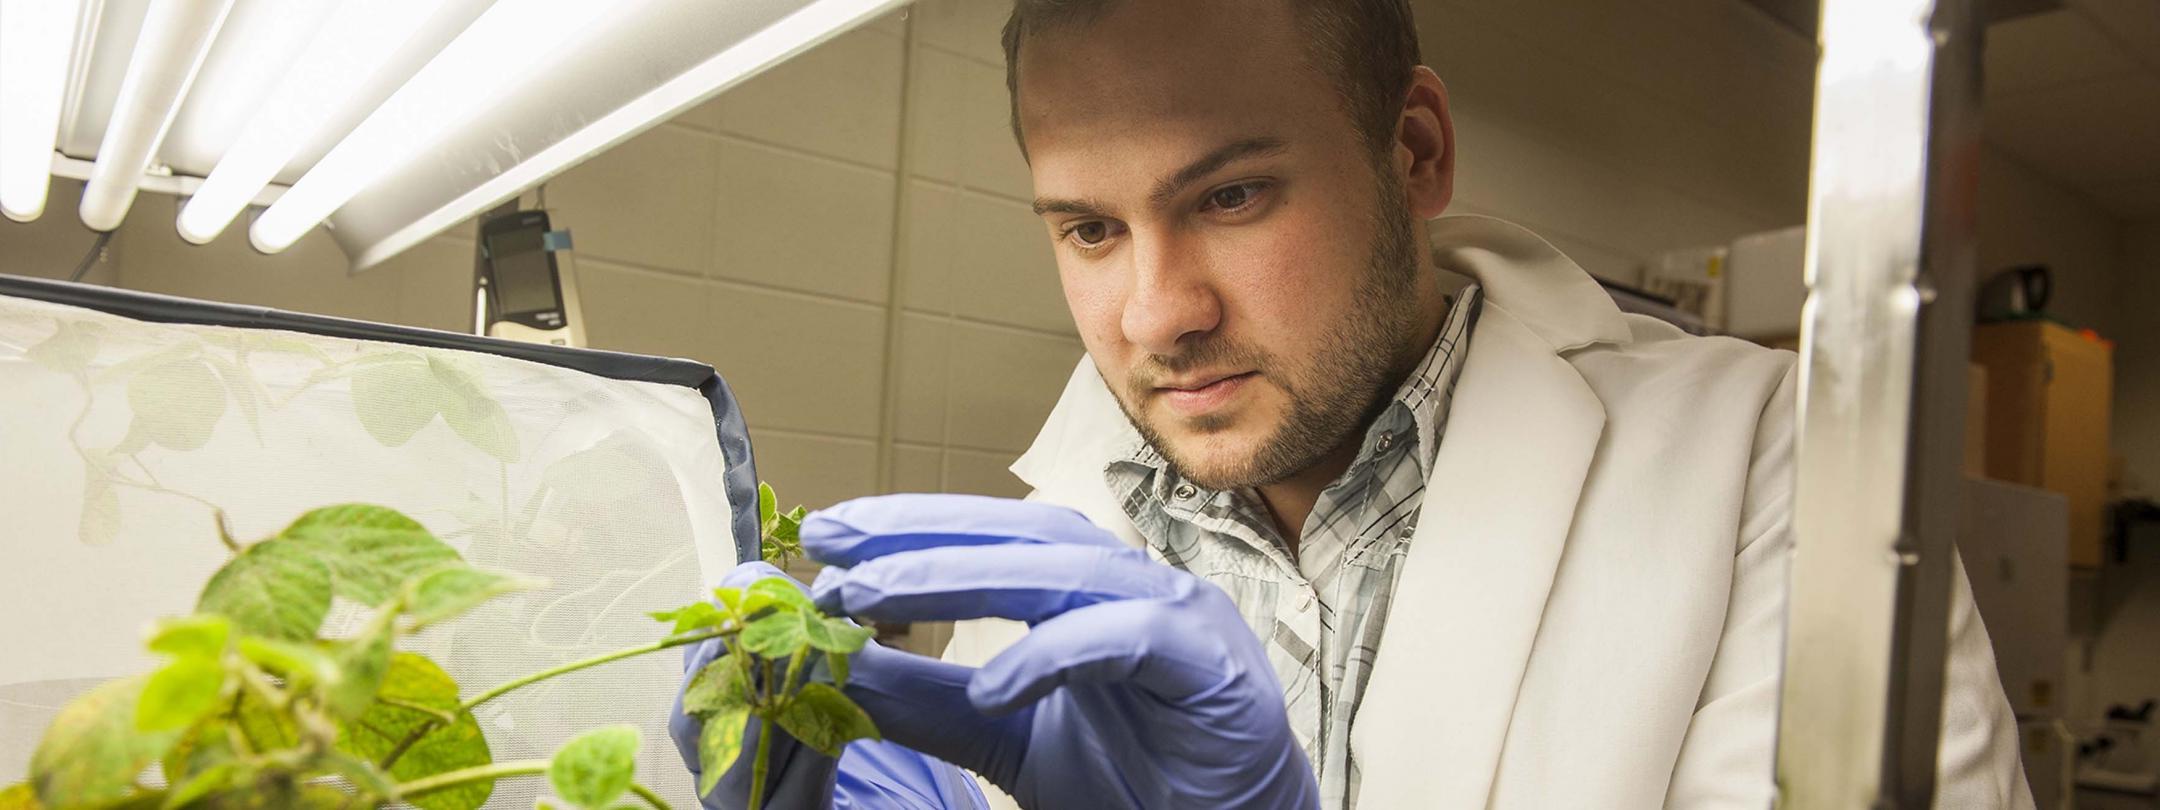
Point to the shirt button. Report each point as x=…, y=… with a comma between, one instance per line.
x=1387, y=440
x=1184, y=492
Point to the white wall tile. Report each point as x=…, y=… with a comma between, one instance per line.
x=648, y=201
x=51, y=245
x=971, y=27
x=937, y=101
x=802, y=223
x=918, y=468
x=435, y=282
x=798, y=362
x=922, y=376
x=991, y=160
x=645, y=312
x=311, y=276
x=1003, y=385
x=981, y=257
x=814, y=471
x=978, y=473
x=840, y=99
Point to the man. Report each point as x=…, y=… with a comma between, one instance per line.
x=1511, y=548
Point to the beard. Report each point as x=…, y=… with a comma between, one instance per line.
x=1333, y=393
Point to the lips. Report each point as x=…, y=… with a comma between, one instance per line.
x=1198, y=396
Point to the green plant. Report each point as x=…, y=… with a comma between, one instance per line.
x=254, y=708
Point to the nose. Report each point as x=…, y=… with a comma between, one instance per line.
x=1171, y=297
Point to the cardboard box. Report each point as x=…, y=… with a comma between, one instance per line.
x=2012, y=540
x=2047, y=419
x=1976, y=393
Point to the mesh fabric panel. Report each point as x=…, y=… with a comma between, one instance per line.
x=120, y=440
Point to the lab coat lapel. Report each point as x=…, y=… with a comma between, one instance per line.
x=1500, y=501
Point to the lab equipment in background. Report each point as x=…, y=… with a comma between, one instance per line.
x=2049, y=389
x=1639, y=302
x=1765, y=283
x=132, y=419
x=2012, y=541
x=1693, y=279
x=520, y=290
x=2019, y=292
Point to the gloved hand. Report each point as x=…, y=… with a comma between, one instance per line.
x=1138, y=686
x=868, y=774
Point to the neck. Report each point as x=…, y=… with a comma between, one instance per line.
x=1290, y=501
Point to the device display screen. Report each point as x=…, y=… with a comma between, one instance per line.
x=524, y=278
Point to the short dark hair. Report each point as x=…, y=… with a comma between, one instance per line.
x=1370, y=47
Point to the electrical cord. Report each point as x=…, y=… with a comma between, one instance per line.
x=96, y=255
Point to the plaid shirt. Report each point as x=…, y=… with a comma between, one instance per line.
x=1322, y=613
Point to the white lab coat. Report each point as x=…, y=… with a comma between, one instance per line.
x=1591, y=613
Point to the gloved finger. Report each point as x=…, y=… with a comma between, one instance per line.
x=922, y=703
x=742, y=575
x=1166, y=652
x=1028, y=583
x=867, y=528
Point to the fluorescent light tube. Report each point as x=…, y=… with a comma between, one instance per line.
x=36, y=39
x=175, y=36
x=353, y=44
x=793, y=34
x=512, y=41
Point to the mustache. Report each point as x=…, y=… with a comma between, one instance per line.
x=1149, y=373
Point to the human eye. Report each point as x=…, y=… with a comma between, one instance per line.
x=1238, y=197
x=1090, y=234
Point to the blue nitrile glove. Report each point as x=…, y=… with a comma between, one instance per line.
x=868, y=774
x=1138, y=686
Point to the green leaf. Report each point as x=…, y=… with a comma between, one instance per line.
x=471, y=413
x=92, y=752
x=363, y=774
x=596, y=767
x=362, y=661
x=834, y=635
x=719, y=745
x=415, y=680
x=272, y=589
x=267, y=728
x=221, y=776
x=298, y=663
x=177, y=404
x=768, y=507
x=394, y=397
x=784, y=593
x=449, y=590
x=200, y=636
x=776, y=636
x=370, y=550
x=693, y=616
x=720, y=686
x=837, y=663
x=179, y=694
x=824, y=719
x=69, y=350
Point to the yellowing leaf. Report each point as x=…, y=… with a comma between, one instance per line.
x=370, y=550
x=415, y=680
x=202, y=635
x=720, y=686
x=693, y=616
x=92, y=752
x=784, y=593
x=272, y=589
x=823, y=718
x=719, y=745
x=596, y=767
x=834, y=635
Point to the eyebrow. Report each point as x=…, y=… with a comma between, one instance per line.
x=1169, y=187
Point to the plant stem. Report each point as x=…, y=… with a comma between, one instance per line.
x=757, y=764
x=431, y=724
x=479, y=773
x=650, y=797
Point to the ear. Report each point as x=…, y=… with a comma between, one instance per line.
x=1425, y=145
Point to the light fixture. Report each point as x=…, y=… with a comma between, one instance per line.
x=175, y=36
x=355, y=42
x=797, y=32
x=509, y=42
x=36, y=39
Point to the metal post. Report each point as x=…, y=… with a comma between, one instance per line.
x=1882, y=399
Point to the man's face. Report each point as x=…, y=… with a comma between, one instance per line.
x=1240, y=264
